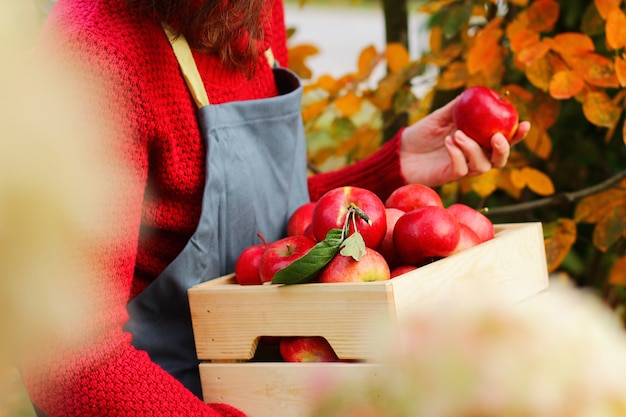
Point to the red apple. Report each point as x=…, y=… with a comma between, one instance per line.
x=481, y=112
x=478, y=222
x=300, y=219
x=333, y=207
x=307, y=349
x=247, y=266
x=427, y=232
x=370, y=267
x=468, y=239
x=386, y=246
x=281, y=253
x=412, y=196
x=402, y=269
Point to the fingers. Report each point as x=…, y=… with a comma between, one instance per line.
x=522, y=131
x=474, y=156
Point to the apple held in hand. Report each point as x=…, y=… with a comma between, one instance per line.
x=481, y=112
x=340, y=207
x=300, y=219
x=412, y=196
x=370, y=267
x=427, y=232
x=306, y=349
x=282, y=253
x=474, y=219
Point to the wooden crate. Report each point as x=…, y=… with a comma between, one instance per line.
x=228, y=319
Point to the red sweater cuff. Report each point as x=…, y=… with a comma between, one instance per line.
x=380, y=173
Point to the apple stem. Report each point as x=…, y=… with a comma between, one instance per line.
x=260, y=235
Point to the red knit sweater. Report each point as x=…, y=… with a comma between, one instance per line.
x=132, y=74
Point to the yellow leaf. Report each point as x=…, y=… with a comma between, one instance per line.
x=297, y=59
x=397, y=57
x=617, y=273
x=616, y=29
x=455, y=76
x=518, y=179
x=606, y=6
x=611, y=226
x=348, y=104
x=600, y=110
x=368, y=58
x=328, y=83
x=539, y=142
x=560, y=236
x=484, y=185
x=539, y=72
x=505, y=184
x=538, y=182
x=591, y=209
x=314, y=109
x=566, y=84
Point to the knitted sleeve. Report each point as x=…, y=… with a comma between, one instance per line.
x=96, y=371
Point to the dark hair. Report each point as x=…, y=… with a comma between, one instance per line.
x=232, y=29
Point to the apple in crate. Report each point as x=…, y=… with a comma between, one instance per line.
x=300, y=219
x=474, y=219
x=332, y=211
x=412, y=196
x=247, y=267
x=426, y=233
x=371, y=266
x=386, y=247
x=281, y=253
x=482, y=112
x=306, y=349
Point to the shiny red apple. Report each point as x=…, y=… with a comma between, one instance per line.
x=427, y=232
x=307, y=349
x=478, y=222
x=247, y=270
x=332, y=208
x=281, y=253
x=482, y=112
x=386, y=247
x=467, y=239
x=412, y=196
x=370, y=267
x=300, y=219
x=402, y=269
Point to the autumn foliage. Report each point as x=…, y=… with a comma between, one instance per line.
x=561, y=63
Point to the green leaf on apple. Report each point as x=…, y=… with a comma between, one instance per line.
x=305, y=268
x=354, y=246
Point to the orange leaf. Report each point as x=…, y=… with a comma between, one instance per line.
x=592, y=208
x=600, y=110
x=620, y=70
x=485, y=52
x=348, y=104
x=611, y=226
x=454, y=76
x=617, y=273
x=566, y=84
x=519, y=2
x=522, y=39
x=328, y=83
x=570, y=44
x=597, y=70
x=616, y=29
x=397, y=57
x=534, y=52
x=543, y=14
x=538, y=182
x=544, y=110
x=368, y=58
x=560, y=237
x=297, y=59
x=539, y=142
x=539, y=72
x=606, y=6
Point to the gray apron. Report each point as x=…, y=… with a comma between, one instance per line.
x=255, y=178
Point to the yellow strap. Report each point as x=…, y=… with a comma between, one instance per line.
x=188, y=67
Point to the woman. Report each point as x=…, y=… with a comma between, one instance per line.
x=208, y=134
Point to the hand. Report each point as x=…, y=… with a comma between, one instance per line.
x=433, y=151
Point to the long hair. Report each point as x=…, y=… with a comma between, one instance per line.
x=232, y=29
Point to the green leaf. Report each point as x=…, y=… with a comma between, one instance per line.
x=354, y=246
x=305, y=268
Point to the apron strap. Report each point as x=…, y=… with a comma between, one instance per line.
x=188, y=67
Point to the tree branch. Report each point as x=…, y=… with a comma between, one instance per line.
x=557, y=199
